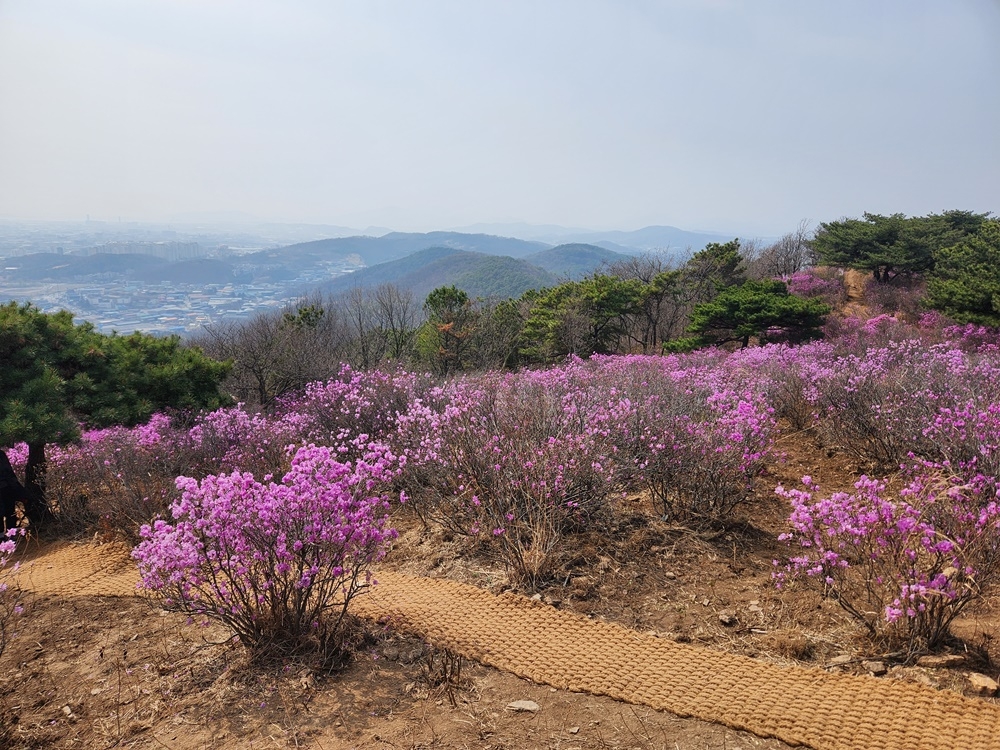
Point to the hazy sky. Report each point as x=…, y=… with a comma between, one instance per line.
x=705, y=114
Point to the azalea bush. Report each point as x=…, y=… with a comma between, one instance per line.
x=815, y=283
x=277, y=563
x=904, y=564
x=883, y=404
x=119, y=477
x=698, y=446
x=519, y=460
x=10, y=592
x=337, y=411
x=234, y=439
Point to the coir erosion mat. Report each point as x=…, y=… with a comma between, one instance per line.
x=565, y=650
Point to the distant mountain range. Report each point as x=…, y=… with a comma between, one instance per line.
x=574, y=260
x=375, y=250
x=653, y=238
x=480, y=263
x=477, y=273
x=99, y=267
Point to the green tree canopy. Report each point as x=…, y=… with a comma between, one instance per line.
x=57, y=375
x=716, y=267
x=891, y=246
x=445, y=339
x=965, y=284
x=580, y=317
x=757, y=309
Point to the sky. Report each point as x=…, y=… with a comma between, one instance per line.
x=725, y=115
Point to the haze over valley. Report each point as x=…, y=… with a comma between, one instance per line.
x=177, y=279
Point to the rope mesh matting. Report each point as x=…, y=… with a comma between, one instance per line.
x=565, y=650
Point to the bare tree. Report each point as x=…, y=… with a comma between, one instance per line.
x=498, y=331
x=396, y=315
x=788, y=255
x=367, y=345
x=276, y=352
x=666, y=300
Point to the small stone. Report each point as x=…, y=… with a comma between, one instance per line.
x=529, y=706
x=918, y=675
x=536, y=597
x=840, y=659
x=95, y=691
x=877, y=668
x=705, y=602
x=670, y=576
x=67, y=710
x=982, y=685
x=574, y=730
x=941, y=661
x=728, y=619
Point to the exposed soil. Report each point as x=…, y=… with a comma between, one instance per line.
x=95, y=671
x=120, y=672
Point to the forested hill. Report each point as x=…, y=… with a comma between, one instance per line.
x=478, y=274
x=375, y=250
x=575, y=260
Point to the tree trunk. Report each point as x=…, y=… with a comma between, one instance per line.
x=35, y=507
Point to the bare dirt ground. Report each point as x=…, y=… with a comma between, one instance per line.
x=102, y=672
x=118, y=672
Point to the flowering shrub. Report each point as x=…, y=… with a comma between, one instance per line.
x=10, y=594
x=121, y=477
x=118, y=477
x=905, y=298
x=518, y=459
x=699, y=443
x=813, y=283
x=277, y=563
x=18, y=457
x=971, y=337
x=233, y=439
x=354, y=403
x=906, y=564
x=904, y=399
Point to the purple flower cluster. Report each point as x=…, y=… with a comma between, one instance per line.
x=697, y=434
x=812, y=282
x=10, y=594
x=904, y=563
x=278, y=563
x=908, y=399
x=519, y=458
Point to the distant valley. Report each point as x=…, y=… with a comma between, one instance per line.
x=181, y=284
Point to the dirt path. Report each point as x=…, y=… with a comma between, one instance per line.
x=854, y=282
x=565, y=650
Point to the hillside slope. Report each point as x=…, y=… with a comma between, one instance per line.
x=478, y=274
x=395, y=245
x=575, y=260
